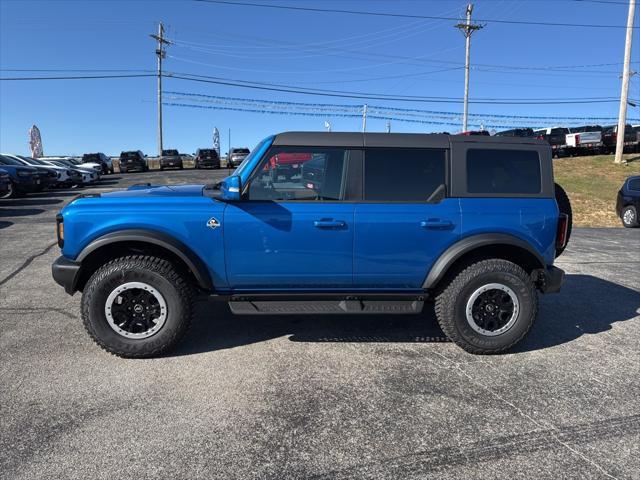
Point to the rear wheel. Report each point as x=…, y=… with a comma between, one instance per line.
x=629, y=217
x=137, y=306
x=488, y=307
x=564, y=205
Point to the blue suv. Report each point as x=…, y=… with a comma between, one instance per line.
x=368, y=224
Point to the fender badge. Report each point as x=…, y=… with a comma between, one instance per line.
x=213, y=223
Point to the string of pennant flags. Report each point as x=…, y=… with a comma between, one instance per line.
x=325, y=115
x=203, y=97
x=398, y=114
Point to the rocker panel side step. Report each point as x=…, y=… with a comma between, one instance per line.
x=317, y=307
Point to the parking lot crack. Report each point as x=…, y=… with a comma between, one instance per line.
x=26, y=263
x=554, y=430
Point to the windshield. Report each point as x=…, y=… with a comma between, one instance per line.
x=9, y=161
x=250, y=157
x=170, y=152
x=31, y=161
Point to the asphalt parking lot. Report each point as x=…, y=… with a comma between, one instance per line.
x=317, y=397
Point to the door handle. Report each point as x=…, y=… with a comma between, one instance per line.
x=329, y=224
x=436, y=224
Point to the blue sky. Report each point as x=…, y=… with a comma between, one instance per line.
x=309, y=49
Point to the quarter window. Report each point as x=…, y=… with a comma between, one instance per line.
x=493, y=171
x=402, y=175
x=300, y=173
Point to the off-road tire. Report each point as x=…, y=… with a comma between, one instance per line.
x=156, y=272
x=452, y=300
x=564, y=205
x=634, y=222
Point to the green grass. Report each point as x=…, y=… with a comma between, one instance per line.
x=592, y=184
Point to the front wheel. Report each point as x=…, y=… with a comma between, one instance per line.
x=488, y=307
x=629, y=217
x=137, y=306
x=11, y=191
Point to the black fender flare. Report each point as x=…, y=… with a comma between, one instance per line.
x=465, y=245
x=195, y=264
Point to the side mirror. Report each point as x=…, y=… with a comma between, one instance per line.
x=231, y=188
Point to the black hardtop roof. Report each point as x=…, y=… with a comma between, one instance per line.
x=392, y=140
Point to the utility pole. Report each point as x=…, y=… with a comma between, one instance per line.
x=626, y=74
x=364, y=118
x=467, y=30
x=161, y=54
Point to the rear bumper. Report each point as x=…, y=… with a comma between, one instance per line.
x=65, y=273
x=551, y=279
x=171, y=162
x=208, y=164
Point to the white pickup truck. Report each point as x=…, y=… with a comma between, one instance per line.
x=586, y=139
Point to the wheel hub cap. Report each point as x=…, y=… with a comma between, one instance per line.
x=628, y=216
x=135, y=310
x=492, y=309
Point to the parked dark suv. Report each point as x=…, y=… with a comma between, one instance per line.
x=133, y=161
x=628, y=202
x=170, y=159
x=207, y=158
x=610, y=138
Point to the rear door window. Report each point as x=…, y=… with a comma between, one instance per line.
x=402, y=174
x=498, y=171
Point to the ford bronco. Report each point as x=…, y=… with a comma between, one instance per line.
x=370, y=223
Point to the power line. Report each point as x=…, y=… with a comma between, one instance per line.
x=327, y=93
x=77, y=77
x=405, y=15
x=74, y=70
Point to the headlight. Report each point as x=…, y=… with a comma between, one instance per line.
x=60, y=230
x=23, y=173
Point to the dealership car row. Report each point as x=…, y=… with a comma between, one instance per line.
x=582, y=140
x=21, y=175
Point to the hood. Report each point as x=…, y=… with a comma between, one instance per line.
x=19, y=168
x=144, y=190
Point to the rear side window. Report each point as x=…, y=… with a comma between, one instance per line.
x=496, y=171
x=402, y=175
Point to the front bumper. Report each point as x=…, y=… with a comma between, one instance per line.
x=550, y=279
x=65, y=273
